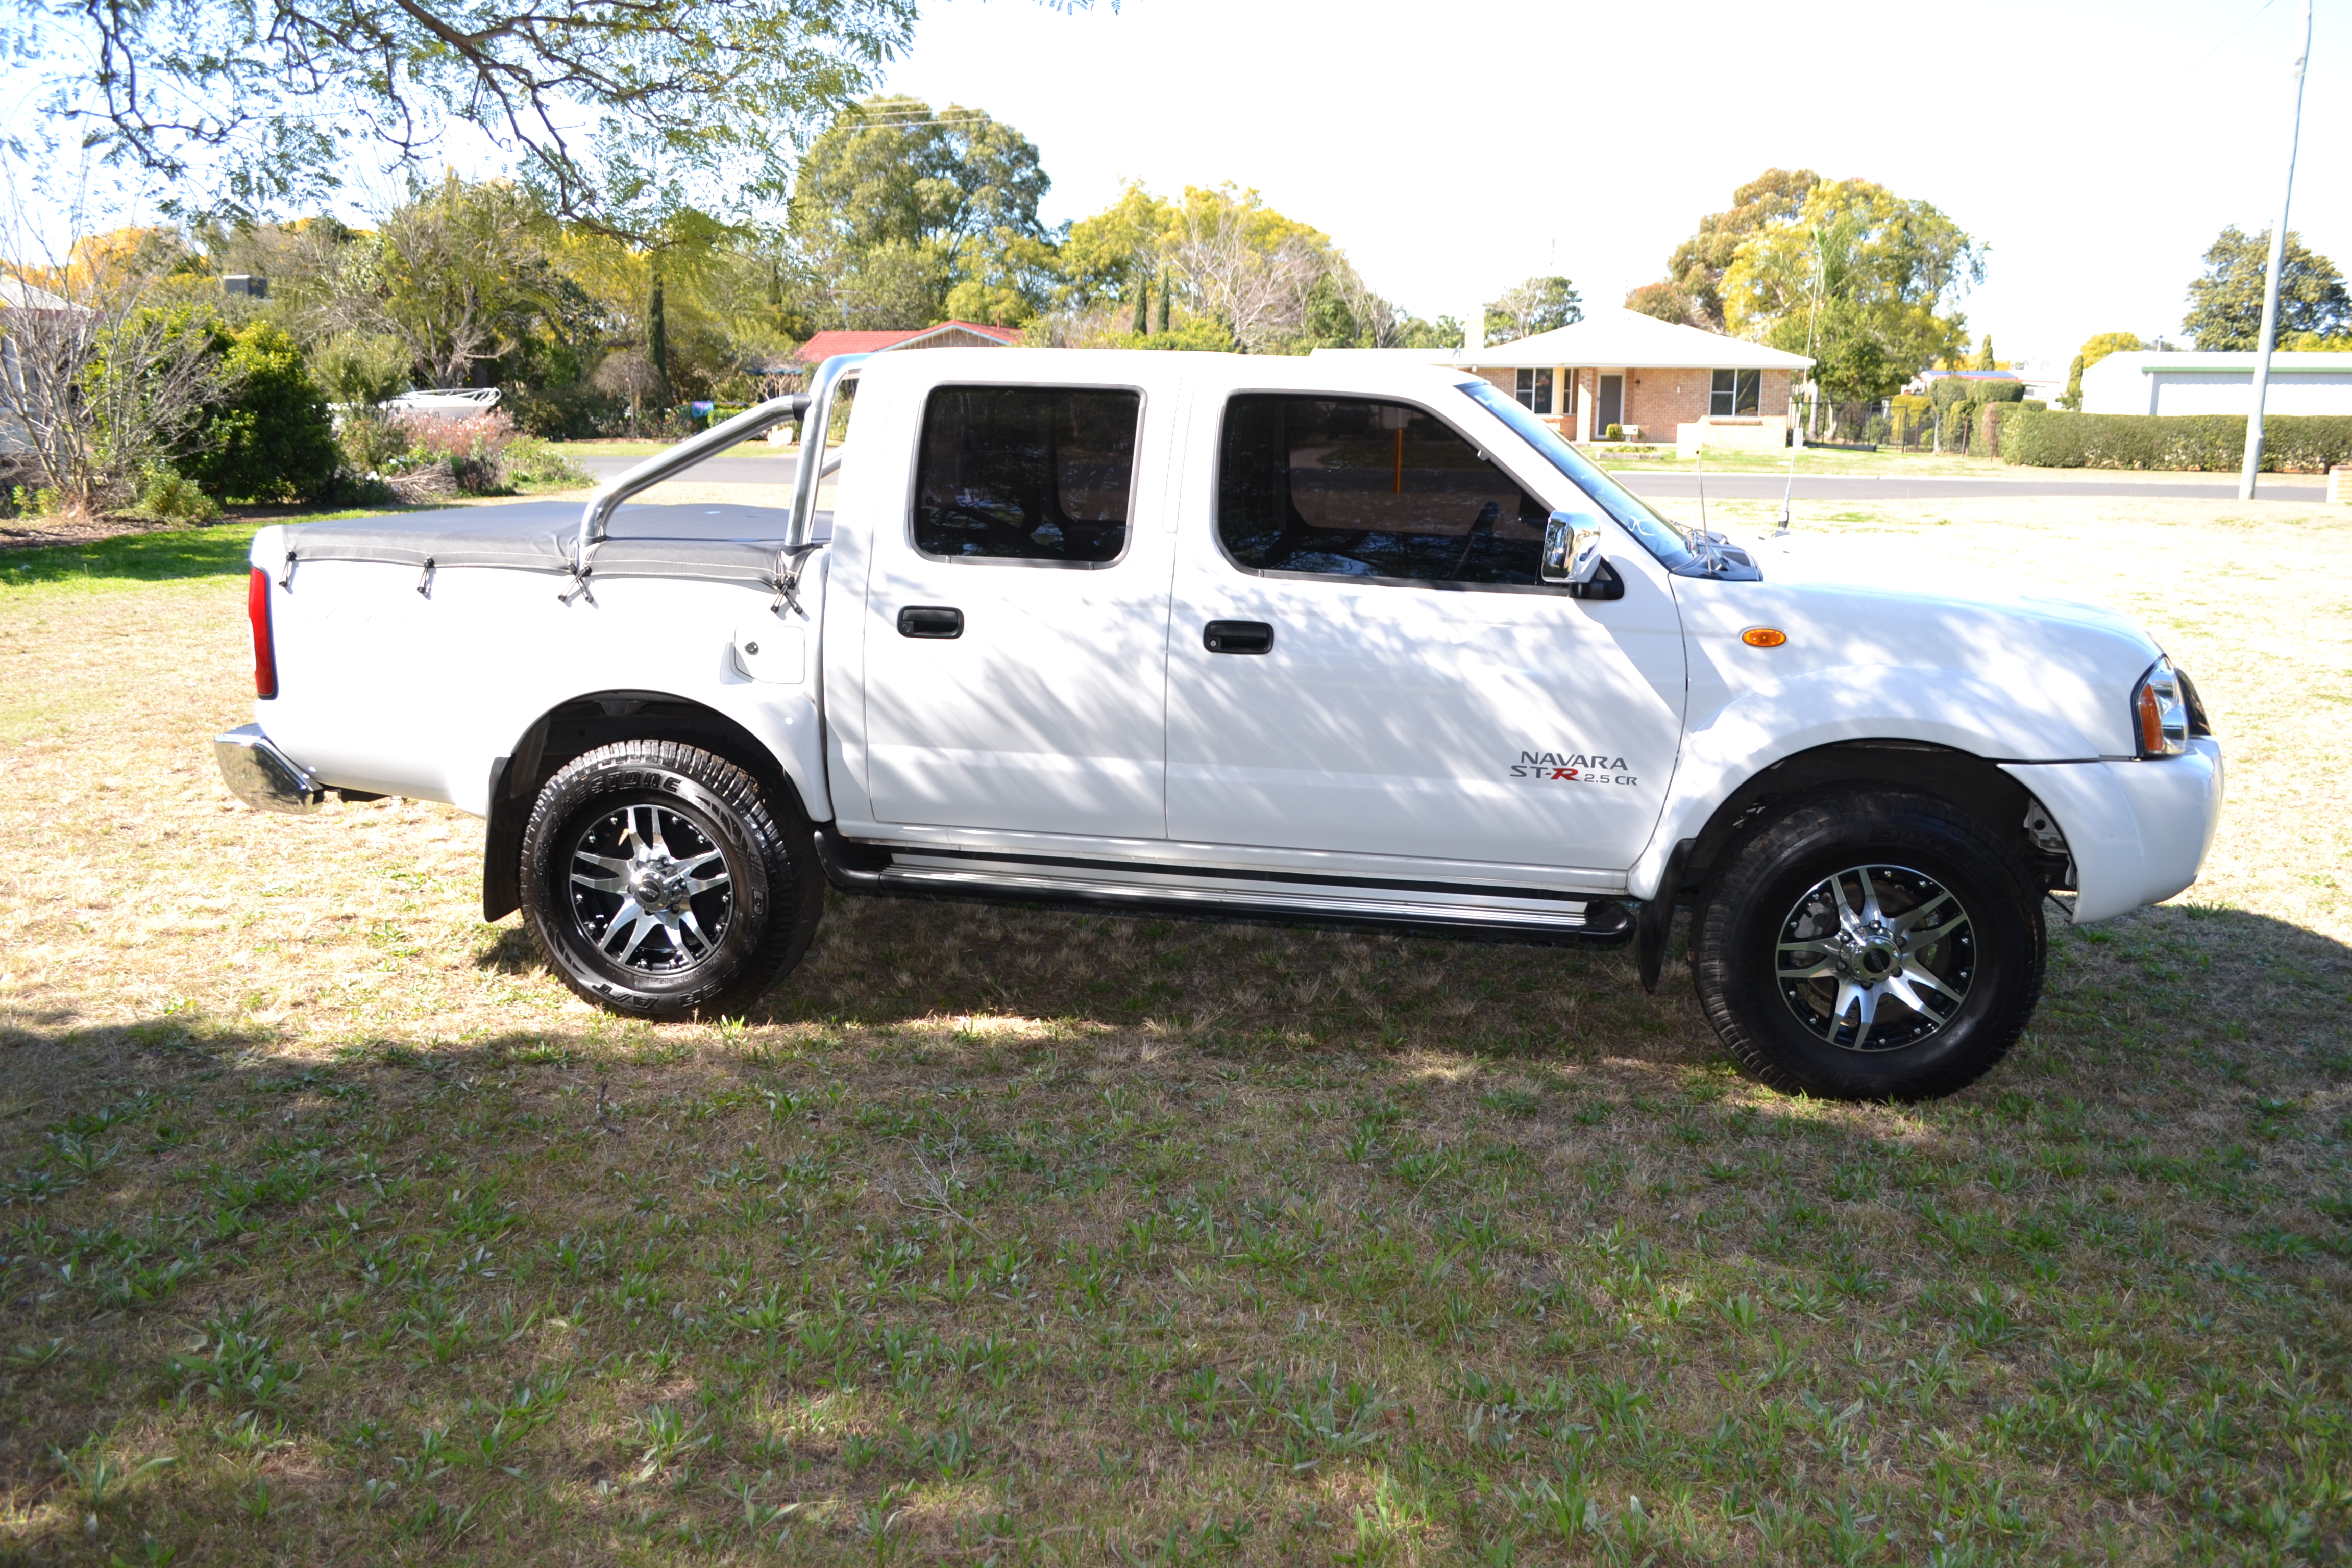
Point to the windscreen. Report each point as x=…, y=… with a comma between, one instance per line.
x=1658, y=536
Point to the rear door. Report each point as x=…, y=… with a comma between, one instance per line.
x=1362, y=660
x=1016, y=623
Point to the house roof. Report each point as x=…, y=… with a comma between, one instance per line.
x=1609, y=338
x=824, y=345
x=15, y=294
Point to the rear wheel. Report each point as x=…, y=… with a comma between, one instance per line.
x=1871, y=946
x=659, y=882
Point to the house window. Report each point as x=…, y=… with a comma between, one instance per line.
x=1534, y=391
x=1735, y=394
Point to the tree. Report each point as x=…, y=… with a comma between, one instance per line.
x=1537, y=305
x=1984, y=355
x=1856, y=261
x=2099, y=345
x=2225, y=304
x=896, y=207
x=105, y=375
x=1669, y=302
x=457, y=273
x=265, y=436
x=274, y=95
x=1691, y=290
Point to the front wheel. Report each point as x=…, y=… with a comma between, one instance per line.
x=1877, y=945
x=659, y=882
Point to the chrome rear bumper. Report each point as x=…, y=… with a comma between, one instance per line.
x=262, y=777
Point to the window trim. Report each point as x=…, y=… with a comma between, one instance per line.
x=1443, y=585
x=1134, y=477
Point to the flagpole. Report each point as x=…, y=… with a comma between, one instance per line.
x=2254, y=463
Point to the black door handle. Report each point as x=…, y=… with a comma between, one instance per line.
x=931, y=621
x=1237, y=636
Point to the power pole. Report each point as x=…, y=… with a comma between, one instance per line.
x=2253, y=464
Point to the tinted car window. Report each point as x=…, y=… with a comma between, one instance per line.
x=1026, y=473
x=1355, y=488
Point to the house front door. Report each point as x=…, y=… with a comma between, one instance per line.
x=1610, y=407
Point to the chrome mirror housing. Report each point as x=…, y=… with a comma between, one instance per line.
x=1571, y=551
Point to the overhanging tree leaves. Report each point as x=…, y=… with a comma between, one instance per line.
x=266, y=95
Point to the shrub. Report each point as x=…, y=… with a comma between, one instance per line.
x=266, y=435
x=1614, y=433
x=468, y=449
x=531, y=461
x=2050, y=438
x=172, y=497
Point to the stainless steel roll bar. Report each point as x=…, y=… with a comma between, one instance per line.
x=813, y=408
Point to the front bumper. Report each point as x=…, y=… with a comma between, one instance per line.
x=2139, y=831
x=264, y=777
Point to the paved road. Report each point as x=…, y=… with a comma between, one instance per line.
x=778, y=471
x=726, y=470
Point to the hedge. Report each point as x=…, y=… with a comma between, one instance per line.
x=2051, y=438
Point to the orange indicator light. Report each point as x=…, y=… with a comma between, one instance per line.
x=1763, y=636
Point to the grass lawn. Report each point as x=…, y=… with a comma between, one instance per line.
x=334, y=1231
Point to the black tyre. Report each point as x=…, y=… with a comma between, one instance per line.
x=1876, y=945
x=659, y=882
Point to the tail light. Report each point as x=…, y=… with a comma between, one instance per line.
x=265, y=645
x=2159, y=714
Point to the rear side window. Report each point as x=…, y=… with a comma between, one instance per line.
x=1347, y=487
x=1026, y=473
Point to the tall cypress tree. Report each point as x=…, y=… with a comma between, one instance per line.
x=657, y=342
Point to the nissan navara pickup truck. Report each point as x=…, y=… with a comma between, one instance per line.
x=1318, y=640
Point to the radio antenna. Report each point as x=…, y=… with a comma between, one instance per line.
x=1813, y=320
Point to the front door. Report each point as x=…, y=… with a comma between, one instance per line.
x=1361, y=659
x=1016, y=633
x=1609, y=409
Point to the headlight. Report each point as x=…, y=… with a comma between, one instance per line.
x=2160, y=712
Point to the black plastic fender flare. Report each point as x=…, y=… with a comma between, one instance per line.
x=1657, y=917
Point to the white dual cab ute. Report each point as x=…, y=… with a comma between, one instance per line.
x=1319, y=640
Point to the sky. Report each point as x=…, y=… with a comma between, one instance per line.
x=2095, y=147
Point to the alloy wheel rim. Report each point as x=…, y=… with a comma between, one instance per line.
x=1876, y=958
x=650, y=890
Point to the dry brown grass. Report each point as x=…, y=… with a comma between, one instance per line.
x=1044, y=1238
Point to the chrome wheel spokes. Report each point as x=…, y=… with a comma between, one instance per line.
x=650, y=890
x=1876, y=958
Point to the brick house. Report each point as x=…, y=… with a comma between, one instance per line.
x=1670, y=382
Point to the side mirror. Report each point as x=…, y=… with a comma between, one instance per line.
x=1571, y=551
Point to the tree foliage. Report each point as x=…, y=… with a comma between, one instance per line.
x=265, y=436
x=273, y=95
x=2099, y=345
x=1537, y=305
x=1691, y=292
x=2225, y=302
x=1865, y=277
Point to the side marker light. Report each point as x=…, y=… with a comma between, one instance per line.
x=1763, y=636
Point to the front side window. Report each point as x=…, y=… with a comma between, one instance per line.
x=1535, y=391
x=1735, y=395
x=1026, y=473
x=1349, y=487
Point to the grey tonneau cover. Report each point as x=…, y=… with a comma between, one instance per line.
x=720, y=543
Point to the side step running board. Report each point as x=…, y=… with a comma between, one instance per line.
x=1530, y=914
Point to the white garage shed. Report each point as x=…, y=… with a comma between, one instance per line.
x=2217, y=383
